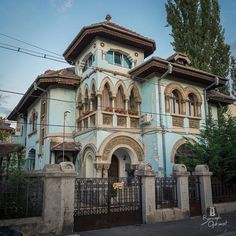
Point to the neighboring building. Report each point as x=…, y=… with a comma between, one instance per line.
x=107, y=92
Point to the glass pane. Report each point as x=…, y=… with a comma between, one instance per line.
x=109, y=57
x=127, y=62
x=118, y=58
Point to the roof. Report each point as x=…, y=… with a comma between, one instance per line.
x=7, y=148
x=111, y=31
x=159, y=65
x=179, y=55
x=68, y=146
x=6, y=127
x=219, y=98
x=64, y=77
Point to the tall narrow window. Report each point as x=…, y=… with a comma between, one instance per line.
x=88, y=63
x=120, y=99
x=106, y=97
x=175, y=102
x=94, y=98
x=86, y=101
x=192, y=105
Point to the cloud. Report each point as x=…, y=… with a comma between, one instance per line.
x=4, y=111
x=62, y=5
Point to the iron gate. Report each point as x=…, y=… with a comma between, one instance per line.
x=194, y=196
x=107, y=202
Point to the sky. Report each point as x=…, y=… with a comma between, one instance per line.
x=53, y=24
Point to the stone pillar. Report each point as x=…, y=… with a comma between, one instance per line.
x=58, y=207
x=126, y=105
x=180, y=172
x=99, y=96
x=148, y=195
x=202, y=171
x=113, y=104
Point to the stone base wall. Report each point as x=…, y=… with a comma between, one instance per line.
x=168, y=214
x=225, y=207
x=28, y=226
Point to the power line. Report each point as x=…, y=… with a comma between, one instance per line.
x=31, y=51
x=30, y=44
x=45, y=56
x=105, y=128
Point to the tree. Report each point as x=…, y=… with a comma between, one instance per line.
x=233, y=74
x=4, y=134
x=215, y=147
x=197, y=31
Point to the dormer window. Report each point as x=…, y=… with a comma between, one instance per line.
x=88, y=63
x=118, y=59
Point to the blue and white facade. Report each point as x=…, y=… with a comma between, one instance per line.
x=117, y=112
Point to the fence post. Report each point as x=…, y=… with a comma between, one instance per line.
x=148, y=194
x=58, y=207
x=202, y=171
x=180, y=171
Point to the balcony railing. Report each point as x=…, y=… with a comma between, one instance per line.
x=108, y=119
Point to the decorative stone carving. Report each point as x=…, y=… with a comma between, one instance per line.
x=107, y=119
x=121, y=121
x=67, y=166
x=134, y=123
x=178, y=121
x=52, y=168
x=121, y=140
x=194, y=123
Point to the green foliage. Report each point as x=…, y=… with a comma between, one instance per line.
x=215, y=147
x=3, y=133
x=16, y=165
x=233, y=74
x=197, y=31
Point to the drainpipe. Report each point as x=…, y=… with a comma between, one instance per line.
x=216, y=82
x=169, y=71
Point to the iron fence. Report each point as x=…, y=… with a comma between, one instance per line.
x=21, y=198
x=166, y=192
x=100, y=195
x=222, y=191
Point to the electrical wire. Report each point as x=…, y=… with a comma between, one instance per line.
x=45, y=56
x=30, y=44
x=153, y=129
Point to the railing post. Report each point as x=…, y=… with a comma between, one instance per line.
x=202, y=171
x=148, y=194
x=181, y=174
x=58, y=207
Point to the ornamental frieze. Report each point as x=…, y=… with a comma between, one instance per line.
x=122, y=140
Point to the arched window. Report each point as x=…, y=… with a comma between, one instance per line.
x=86, y=101
x=133, y=103
x=30, y=161
x=192, y=105
x=118, y=59
x=94, y=98
x=88, y=63
x=175, y=102
x=120, y=100
x=106, y=97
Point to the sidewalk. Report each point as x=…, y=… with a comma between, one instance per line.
x=226, y=226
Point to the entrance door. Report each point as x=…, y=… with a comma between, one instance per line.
x=194, y=196
x=114, y=167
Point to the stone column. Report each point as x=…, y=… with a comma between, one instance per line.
x=180, y=171
x=202, y=171
x=58, y=207
x=148, y=195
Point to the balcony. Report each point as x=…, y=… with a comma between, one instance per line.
x=108, y=119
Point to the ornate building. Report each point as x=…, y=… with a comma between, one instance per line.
x=124, y=112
